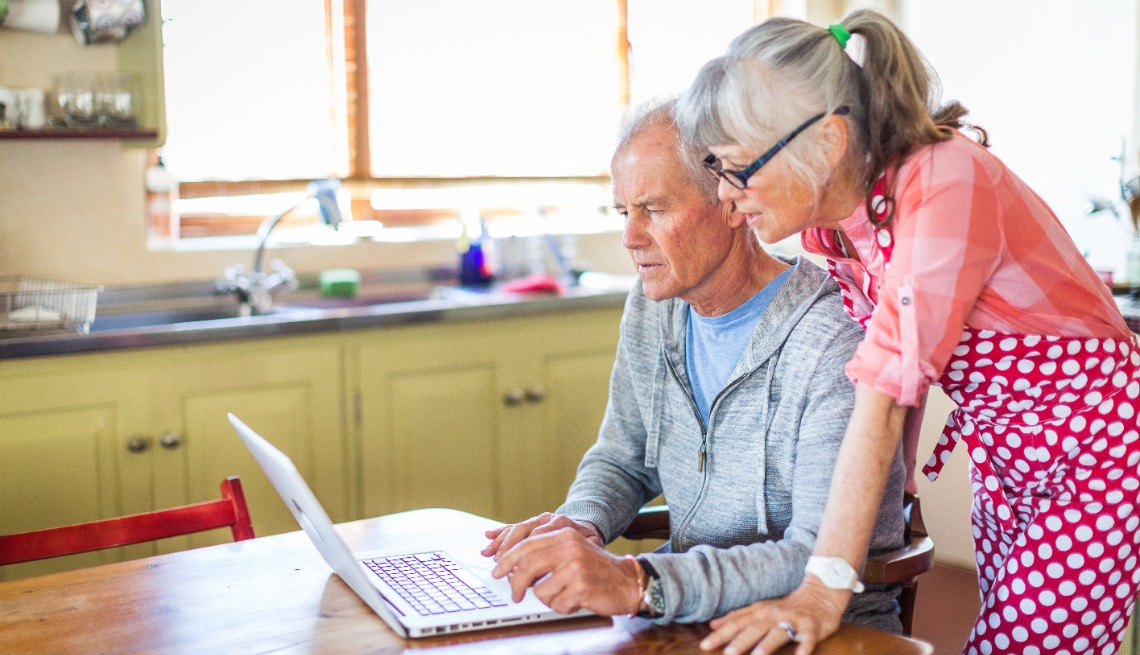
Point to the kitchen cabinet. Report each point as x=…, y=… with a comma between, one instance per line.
x=63, y=454
x=1128, y=644
x=288, y=390
x=96, y=436
x=490, y=417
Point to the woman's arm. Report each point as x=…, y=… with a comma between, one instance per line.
x=814, y=610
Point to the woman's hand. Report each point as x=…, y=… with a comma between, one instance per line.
x=812, y=612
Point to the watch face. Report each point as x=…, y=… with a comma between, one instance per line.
x=837, y=571
x=655, y=596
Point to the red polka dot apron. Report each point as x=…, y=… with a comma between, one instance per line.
x=1051, y=428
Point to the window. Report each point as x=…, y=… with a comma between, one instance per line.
x=475, y=99
x=250, y=97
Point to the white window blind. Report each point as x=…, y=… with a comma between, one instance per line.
x=250, y=95
x=493, y=88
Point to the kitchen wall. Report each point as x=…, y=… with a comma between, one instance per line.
x=1056, y=84
x=73, y=210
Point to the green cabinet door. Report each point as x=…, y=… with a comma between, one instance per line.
x=428, y=420
x=288, y=390
x=64, y=455
x=87, y=437
x=486, y=416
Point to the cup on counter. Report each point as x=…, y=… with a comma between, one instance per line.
x=75, y=95
x=31, y=114
x=117, y=99
x=9, y=111
x=33, y=15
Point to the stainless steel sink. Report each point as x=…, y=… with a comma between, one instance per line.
x=363, y=300
x=161, y=317
x=173, y=315
x=168, y=308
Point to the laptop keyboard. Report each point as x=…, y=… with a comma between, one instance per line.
x=433, y=584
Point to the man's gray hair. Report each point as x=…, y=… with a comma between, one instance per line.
x=662, y=112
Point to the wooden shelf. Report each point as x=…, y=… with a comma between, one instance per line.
x=78, y=133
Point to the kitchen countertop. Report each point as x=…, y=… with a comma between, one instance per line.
x=1130, y=310
x=419, y=304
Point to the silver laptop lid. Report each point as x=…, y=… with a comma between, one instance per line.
x=287, y=480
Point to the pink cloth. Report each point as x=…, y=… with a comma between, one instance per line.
x=1046, y=377
x=972, y=246
x=1051, y=428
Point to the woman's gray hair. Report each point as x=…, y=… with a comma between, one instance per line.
x=783, y=71
x=662, y=112
x=774, y=77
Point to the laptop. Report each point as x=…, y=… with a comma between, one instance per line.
x=418, y=591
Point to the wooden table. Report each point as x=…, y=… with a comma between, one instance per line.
x=276, y=595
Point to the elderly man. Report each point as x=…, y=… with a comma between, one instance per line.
x=728, y=395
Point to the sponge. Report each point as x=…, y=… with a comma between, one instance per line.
x=340, y=283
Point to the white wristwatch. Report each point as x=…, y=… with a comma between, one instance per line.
x=835, y=573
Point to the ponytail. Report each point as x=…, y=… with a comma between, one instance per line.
x=903, y=93
x=782, y=70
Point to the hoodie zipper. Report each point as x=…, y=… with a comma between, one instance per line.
x=701, y=452
x=696, y=414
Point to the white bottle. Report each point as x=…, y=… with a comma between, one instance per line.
x=162, y=223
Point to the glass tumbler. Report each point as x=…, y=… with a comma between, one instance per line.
x=117, y=99
x=75, y=93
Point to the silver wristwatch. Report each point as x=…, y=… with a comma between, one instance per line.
x=835, y=573
x=654, y=599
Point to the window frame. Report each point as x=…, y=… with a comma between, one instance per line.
x=346, y=57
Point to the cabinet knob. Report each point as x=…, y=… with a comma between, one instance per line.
x=138, y=444
x=170, y=440
x=536, y=394
x=513, y=397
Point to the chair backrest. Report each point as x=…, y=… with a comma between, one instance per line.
x=228, y=511
x=904, y=565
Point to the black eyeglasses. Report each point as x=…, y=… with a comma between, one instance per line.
x=739, y=179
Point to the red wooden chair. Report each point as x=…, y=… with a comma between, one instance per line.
x=228, y=511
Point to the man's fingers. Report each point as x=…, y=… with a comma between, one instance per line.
x=493, y=548
x=553, y=591
x=526, y=573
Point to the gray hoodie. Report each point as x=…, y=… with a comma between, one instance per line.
x=744, y=523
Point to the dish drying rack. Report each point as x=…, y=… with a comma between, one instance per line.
x=30, y=304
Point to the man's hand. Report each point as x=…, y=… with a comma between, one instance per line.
x=506, y=537
x=812, y=613
x=570, y=572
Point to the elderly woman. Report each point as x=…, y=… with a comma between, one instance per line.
x=964, y=278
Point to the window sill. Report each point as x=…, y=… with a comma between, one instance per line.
x=364, y=232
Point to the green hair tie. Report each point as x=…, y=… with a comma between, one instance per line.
x=840, y=33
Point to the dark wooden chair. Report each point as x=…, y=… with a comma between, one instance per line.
x=902, y=566
x=228, y=511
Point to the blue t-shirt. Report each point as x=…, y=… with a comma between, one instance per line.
x=714, y=344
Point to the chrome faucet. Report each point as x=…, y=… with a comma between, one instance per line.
x=254, y=290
